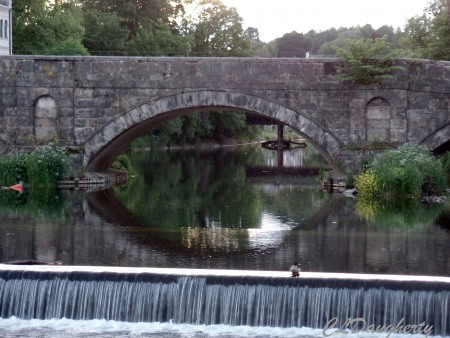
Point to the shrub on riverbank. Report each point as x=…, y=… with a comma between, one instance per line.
x=44, y=166
x=403, y=173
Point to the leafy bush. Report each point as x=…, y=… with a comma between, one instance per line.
x=44, y=166
x=366, y=61
x=406, y=172
x=13, y=169
x=367, y=185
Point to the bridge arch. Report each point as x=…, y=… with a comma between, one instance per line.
x=439, y=140
x=102, y=148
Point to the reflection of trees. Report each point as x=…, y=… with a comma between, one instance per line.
x=36, y=203
x=407, y=215
x=188, y=189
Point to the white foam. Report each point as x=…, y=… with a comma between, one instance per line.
x=211, y=272
x=100, y=327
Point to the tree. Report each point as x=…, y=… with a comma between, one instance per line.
x=258, y=47
x=366, y=61
x=135, y=27
x=156, y=40
x=329, y=48
x=104, y=31
x=293, y=45
x=134, y=13
x=43, y=28
x=252, y=34
x=319, y=38
x=429, y=33
x=218, y=31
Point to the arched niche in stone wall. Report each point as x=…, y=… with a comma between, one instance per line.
x=45, y=118
x=378, y=120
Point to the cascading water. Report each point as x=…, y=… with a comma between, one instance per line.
x=254, y=301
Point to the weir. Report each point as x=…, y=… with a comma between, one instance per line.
x=231, y=298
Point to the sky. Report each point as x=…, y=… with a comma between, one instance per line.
x=274, y=18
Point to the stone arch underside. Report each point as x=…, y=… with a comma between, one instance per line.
x=438, y=141
x=102, y=148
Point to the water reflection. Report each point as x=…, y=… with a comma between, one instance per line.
x=200, y=210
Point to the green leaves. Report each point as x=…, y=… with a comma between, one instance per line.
x=403, y=173
x=218, y=31
x=293, y=45
x=41, y=28
x=366, y=61
x=44, y=166
x=429, y=33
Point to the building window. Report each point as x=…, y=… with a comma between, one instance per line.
x=1, y=28
x=6, y=29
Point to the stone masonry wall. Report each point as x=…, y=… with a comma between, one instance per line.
x=92, y=92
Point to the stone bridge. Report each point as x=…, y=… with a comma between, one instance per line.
x=99, y=105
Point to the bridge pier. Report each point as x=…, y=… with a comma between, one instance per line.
x=280, y=145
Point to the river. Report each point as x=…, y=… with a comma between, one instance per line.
x=224, y=208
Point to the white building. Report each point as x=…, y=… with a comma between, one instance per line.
x=5, y=27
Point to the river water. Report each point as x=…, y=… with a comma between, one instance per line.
x=228, y=208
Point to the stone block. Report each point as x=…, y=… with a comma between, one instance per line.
x=415, y=135
x=25, y=79
x=82, y=134
x=7, y=112
x=66, y=136
x=64, y=122
x=63, y=96
x=46, y=66
x=65, y=112
x=24, y=97
x=8, y=101
x=84, y=92
x=357, y=104
x=398, y=113
x=25, y=121
x=98, y=102
x=397, y=124
x=39, y=91
x=418, y=113
x=25, y=66
x=418, y=100
x=23, y=135
x=377, y=124
x=419, y=123
x=380, y=135
x=357, y=135
x=88, y=112
x=80, y=122
x=25, y=111
x=398, y=135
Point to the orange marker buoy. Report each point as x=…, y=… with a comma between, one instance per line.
x=17, y=187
